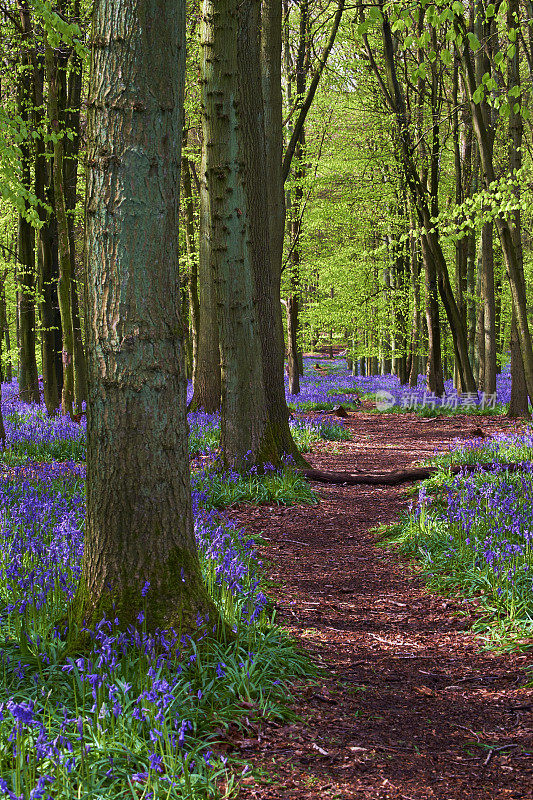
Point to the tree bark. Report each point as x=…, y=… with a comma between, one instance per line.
x=416, y=322
x=139, y=516
x=397, y=477
x=73, y=93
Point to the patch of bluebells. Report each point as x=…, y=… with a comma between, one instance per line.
x=148, y=693
x=481, y=533
x=338, y=387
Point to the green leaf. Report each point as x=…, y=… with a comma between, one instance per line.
x=473, y=41
x=446, y=57
x=505, y=110
x=478, y=95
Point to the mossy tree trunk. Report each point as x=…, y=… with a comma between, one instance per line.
x=139, y=516
x=485, y=31
x=246, y=437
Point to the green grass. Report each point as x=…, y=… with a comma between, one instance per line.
x=306, y=435
x=224, y=489
x=427, y=412
x=308, y=405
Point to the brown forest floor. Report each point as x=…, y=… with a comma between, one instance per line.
x=412, y=707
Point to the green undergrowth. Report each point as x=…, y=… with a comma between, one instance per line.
x=471, y=536
x=428, y=412
x=322, y=405
x=223, y=489
x=307, y=434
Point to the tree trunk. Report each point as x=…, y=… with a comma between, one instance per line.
x=206, y=376
x=296, y=204
x=65, y=255
x=5, y=331
x=48, y=270
x=292, y=345
x=489, y=308
x=28, y=375
x=139, y=516
x=519, y=403
x=415, y=324
x=479, y=357
x=70, y=171
x=192, y=258
x=244, y=422
x=259, y=169
x=485, y=30
x=435, y=377
x=514, y=269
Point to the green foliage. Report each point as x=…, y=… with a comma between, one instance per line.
x=223, y=489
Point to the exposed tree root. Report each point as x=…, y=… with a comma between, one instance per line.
x=397, y=477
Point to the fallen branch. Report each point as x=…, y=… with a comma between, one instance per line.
x=401, y=476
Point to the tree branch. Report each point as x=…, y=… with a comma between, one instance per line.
x=306, y=105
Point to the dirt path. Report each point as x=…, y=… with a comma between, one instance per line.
x=413, y=708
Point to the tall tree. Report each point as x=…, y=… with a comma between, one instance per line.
x=424, y=195
x=139, y=518
x=519, y=401
x=28, y=375
x=64, y=239
x=206, y=370
x=244, y=422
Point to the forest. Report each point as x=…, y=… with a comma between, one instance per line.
x=266, y=385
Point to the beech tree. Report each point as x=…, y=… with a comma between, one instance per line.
x=139, y=519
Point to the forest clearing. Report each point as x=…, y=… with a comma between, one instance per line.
x=266, y=385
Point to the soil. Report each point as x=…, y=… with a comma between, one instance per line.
x=411, y=705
